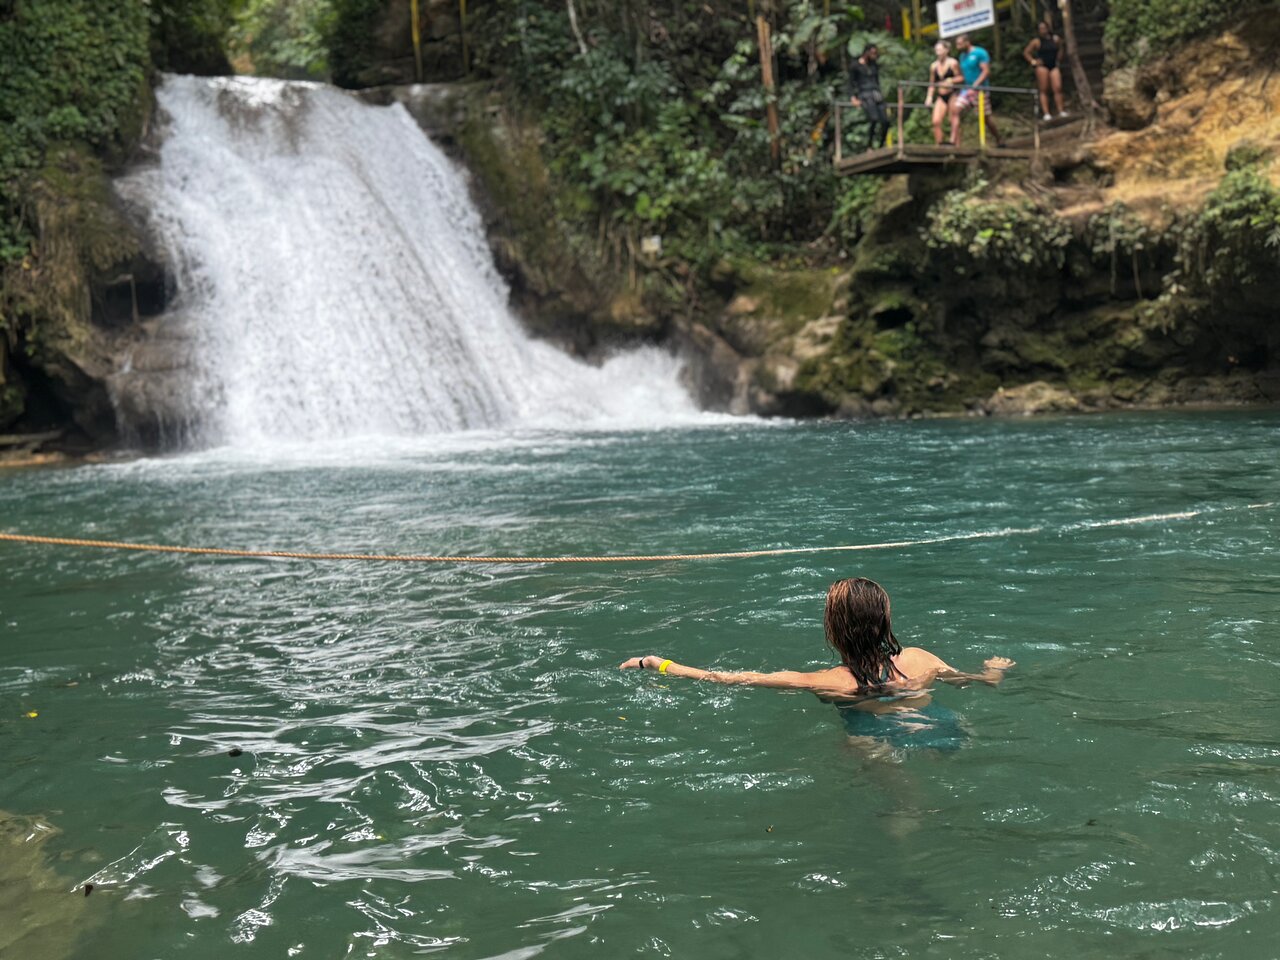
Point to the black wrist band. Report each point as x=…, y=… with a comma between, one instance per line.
x=642, y=666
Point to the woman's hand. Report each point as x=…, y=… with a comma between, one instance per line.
x=998, y=663
x=635, y=663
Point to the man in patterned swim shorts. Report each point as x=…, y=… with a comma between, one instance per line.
x=975, y=64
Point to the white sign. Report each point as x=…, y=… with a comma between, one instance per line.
x=962, y=16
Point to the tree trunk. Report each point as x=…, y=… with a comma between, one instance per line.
x=766, y=75
x=1081, y=79
x=573, y=25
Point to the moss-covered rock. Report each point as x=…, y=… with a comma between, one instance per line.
x=83, y=247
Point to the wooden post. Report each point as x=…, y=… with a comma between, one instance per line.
x=917, y=18
x=999, y=40
x=770, y=102
x=415, y=25
x=839, y=132
x=573, y=25
x=1081, y=79
x=902, y=150
x=462, y=28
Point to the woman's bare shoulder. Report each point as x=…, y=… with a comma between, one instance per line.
x=915, y=660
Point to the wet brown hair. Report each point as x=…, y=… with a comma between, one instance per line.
x=858, y=628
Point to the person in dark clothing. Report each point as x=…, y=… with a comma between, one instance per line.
x=1042, y=53
x=863, y=87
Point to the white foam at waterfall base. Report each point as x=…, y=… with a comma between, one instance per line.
x=336, y=273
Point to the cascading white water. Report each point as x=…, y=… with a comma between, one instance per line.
x=336, y=279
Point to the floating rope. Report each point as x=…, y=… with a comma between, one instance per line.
x=604, y=558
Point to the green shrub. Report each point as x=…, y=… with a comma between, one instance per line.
x=1236, y=239
x=1117, y=236
x=1015, y=235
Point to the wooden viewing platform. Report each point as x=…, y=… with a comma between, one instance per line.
x=903, y=157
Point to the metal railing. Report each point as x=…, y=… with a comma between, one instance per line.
x=903, y=106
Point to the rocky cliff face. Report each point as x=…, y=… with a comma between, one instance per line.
x=90, y=285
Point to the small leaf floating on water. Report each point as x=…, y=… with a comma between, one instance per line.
x=235, y=752
x=32, y=714
x=769, y=828
x=1091, y=823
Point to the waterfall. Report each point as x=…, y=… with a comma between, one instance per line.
x=333, y=279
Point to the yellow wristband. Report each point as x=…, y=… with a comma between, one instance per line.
x=662, y=667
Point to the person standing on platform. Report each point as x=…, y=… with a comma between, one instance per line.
x=863, y=87
x=975, y=64
x=944, y=79
x=1042, y=53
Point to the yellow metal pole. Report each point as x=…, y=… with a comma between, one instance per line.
x=982, y=120
x=906, y=23
x=462, y=27
x=416, y=28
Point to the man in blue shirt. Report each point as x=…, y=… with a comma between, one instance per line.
x=975, y=64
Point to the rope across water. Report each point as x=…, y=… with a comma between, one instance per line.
x=605, y=558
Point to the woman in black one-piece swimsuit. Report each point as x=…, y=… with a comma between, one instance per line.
x=1042, y=53
x=945, y=79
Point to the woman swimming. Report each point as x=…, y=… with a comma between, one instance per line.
x=944, y=79
x=872, y=662
x=1042, y=54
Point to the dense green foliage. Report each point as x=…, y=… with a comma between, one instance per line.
x=188, y=36
x=284, y=38
x=659, y=128
x=76, y=72
x=347, y=29
x=1139, y=30
x=1235, y=241
x=1016, y=235
x=71, y=71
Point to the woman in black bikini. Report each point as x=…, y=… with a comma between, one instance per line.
x=1042, y=53
x=944, y=79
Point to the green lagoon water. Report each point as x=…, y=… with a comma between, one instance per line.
x=446, y=759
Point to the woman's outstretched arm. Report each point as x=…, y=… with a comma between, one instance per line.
x=783, y=679
x=992, y=673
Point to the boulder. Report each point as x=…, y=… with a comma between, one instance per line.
x=1129, y=98
x=1031, y=398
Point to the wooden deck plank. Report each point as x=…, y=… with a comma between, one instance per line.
x=891, y=160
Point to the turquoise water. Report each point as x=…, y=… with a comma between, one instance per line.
x=447, y=759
